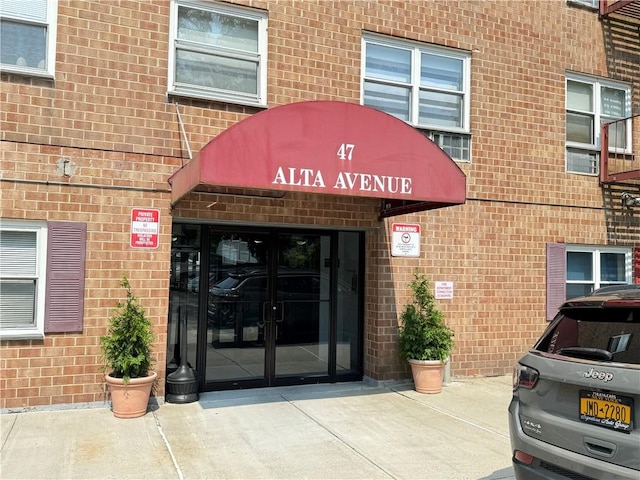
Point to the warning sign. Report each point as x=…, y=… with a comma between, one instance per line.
x=405, y=240
x=145, y=226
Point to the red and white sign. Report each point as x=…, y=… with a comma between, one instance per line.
x=405, y=240
x=145, y=227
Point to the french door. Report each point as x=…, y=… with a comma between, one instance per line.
x=275, y=307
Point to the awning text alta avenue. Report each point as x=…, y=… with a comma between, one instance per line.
x=364, y=182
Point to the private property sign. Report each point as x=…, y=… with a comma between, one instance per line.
x=405, y=240
x=145, y=226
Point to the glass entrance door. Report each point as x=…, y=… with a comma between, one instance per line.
x=268, y=308
x=238, y=313
x=302, y=307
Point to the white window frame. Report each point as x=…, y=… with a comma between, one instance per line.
x=12, y=13
x=205, y=93
x=595, y=252
x=40, y=229
x=595, y=4
x=417, y=49
x=594, y=148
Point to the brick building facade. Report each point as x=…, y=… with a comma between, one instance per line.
x=507, y=89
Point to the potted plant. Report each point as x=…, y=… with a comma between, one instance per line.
x=126, y=350
x=424, y=338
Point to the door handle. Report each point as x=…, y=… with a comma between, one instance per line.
x=599, y=447
x=273, y=311
x=279, y=312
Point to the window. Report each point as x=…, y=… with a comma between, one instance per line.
x=22, y=256
x=586, y=3
x=574, y=270
x=28, y=36
x=427, y=87
x=218, y=52
x=590, y=103
x=596, y=327
x=589, y=268
x=41, y=278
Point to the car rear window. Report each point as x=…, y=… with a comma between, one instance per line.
x=228, y=283
x=597, y=334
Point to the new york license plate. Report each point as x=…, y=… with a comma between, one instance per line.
x=607, y=410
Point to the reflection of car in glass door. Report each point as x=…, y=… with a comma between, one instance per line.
x=237, y=308
x=273, y=301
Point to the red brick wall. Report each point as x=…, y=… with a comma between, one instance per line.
x=107, y=113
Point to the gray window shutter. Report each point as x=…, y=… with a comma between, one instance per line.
x=66, y=250
x=556, y=277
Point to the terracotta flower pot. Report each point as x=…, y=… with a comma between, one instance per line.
x=428, y=375
x=130, y=400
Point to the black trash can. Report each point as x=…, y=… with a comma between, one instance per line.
x=182, y=384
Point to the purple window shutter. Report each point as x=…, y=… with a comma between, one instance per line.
x=556, y=277
x=64, y=304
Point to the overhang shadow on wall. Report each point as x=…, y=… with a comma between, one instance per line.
x=622, y=51
x=622, y=218
x=621, y=37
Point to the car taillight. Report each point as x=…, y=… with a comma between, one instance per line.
x=523, y=376
x=523, y=457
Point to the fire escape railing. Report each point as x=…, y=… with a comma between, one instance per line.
x=619, y=150
x=629, y=8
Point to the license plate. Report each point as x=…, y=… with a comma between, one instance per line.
x=607, y=410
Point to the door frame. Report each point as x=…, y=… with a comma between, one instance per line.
x=332, y=375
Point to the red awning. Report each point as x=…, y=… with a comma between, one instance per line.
x=328, y=147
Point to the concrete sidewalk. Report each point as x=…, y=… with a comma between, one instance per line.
x=340, y=431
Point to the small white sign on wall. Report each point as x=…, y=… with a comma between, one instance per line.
x=444, y=290
x=405, y=240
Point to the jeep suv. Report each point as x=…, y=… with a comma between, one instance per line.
x=575, y=411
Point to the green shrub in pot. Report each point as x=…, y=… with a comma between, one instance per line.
x=424, y=339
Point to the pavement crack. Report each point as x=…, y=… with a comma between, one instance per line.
x=168, y=447
x=11, y=428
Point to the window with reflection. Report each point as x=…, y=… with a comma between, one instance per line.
x=423, y=85
x=590, y=268
x=590, y=103
x=28, y=36
x=218, y=52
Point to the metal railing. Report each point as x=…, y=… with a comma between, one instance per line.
x=619, y=150
x=629, y=8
